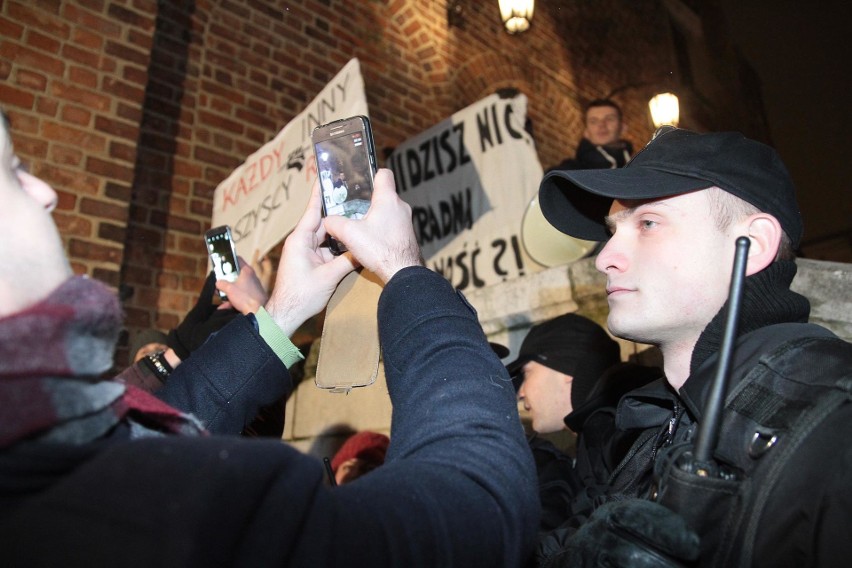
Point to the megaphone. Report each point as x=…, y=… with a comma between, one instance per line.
x=545, y=244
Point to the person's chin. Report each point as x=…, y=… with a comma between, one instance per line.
x=544, y=429
x=623, y=327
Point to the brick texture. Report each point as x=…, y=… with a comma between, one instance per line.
x=135, y=110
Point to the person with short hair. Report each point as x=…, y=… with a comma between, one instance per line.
x=776, y=489
x=602, y=145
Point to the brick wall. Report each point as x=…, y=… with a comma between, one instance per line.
x=134, y=110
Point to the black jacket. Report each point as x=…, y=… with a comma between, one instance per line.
x=567, y=491
x=781, y=498
x=592, y=157
x=779, y=373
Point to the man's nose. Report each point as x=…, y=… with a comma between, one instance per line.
x=610, y=257
x=38, y=190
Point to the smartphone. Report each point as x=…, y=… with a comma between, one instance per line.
x=346, y=164
x=223, y=254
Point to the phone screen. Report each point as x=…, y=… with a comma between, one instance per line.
x=222, y=255
x=345, y=170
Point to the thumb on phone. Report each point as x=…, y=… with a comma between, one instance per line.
x=383, y=241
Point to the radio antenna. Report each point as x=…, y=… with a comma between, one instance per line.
x=708, y=434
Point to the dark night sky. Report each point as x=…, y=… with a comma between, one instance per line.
x=801, y=51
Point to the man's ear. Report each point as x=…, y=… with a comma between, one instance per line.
x=622, y=130
x=764, y=231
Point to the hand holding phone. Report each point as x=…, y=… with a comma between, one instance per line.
x=223, y=255
x=346, y=165
x=384, y=242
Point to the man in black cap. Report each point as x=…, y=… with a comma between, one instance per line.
x=558, y=376
x=775, y=489
x=558, y=364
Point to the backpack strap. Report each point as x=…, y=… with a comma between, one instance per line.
x=785, y=396
x=821, y=355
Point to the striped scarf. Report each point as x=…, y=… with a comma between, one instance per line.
x=51, y=357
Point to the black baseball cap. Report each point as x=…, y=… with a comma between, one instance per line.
x=571, y=344
x=675, y=161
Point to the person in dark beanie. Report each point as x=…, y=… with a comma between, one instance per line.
x=145, y=342
x=561, y=363
x=558, y=364
x=765, y=480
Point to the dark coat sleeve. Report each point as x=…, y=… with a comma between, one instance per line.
x=459, y=483
x=225, y=381
x=458, y=487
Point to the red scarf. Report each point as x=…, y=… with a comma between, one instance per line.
x=51, y=355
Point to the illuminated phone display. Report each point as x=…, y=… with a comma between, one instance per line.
x=223, y=254
x=346, y=161
x=345, y=169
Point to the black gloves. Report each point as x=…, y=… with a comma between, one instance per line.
x=633, y=533
x=202, y=321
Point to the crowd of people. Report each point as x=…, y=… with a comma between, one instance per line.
x=150, y=468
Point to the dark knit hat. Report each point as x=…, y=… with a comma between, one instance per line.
x=145, y=337
x=369, y=446
x=675, y=161
x=570, y=344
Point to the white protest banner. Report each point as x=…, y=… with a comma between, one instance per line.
x=469, y=180
x=263, y=199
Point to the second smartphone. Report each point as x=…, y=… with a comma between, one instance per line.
x=223, y=254
x=346, y=164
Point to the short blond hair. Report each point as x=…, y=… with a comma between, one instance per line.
x=728, y=208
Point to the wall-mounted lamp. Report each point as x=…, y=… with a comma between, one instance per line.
x=516, y=14
x=664, y=109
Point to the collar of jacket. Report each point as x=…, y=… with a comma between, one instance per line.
x=767, y=301
x=590, y=156
x=749, y=350
x=646, y=407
